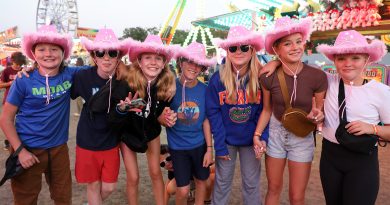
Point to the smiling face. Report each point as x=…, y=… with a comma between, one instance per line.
x=290, y=48
x=190, y=70
x=350, y=66
x=48, y=56
x=240, y=58
x=106, y=62
x=151, y=64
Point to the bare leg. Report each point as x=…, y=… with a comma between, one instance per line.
x=131, y=165
x=153, y=155
x=274, y=169
x=299, y=173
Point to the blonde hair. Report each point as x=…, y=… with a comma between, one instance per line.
x=137, y=81
x=228, y=78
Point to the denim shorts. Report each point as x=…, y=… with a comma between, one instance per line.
x=284, y=144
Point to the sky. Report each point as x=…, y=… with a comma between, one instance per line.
x=115, y=14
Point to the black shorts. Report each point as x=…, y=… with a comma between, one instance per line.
x=188, y=164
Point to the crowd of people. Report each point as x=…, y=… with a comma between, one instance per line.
x=247, y=110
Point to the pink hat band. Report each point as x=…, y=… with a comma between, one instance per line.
x=195, y=52
x=285, y=26
x=46, y=34
x=105, y=39
x=152, y=44
x=352, y=42
x=239, y=35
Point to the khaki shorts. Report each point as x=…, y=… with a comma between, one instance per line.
x=26, y=187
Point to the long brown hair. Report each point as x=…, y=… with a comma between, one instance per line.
x=137, y=81
x=228, y=78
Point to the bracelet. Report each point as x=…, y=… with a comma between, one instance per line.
x=375, y=129
x=210, y=146
x=257, y=134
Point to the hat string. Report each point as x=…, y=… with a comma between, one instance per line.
x=237, y=80
x=294, y=92
x=350, y=91
x=47, y=86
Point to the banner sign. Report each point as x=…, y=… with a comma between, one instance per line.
x=86, y=32
x=8, y=34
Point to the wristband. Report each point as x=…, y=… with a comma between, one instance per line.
x=258, y=134
x=375, y=129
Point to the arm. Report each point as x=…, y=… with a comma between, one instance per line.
x=208, y=156
x=213, y=111
x=258, y=143
x=26, y=158
x=270, y=67
x=5, y=84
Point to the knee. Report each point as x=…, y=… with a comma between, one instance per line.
x=132, y=180
x=155, y=175
x=107, y=190
x=274, y=189
x=182, y=192
x=297, y=198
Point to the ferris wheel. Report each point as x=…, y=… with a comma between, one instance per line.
x=61, y=13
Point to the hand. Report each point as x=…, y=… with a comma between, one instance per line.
x=167, y=118
x=226, y=157
x=27, y=159
x=122, y=104
x=168, y=165
x=259, y=147
x=269, y=68
x=208, y=158
x=25, y=72
x=315, y=115
x=359, y=128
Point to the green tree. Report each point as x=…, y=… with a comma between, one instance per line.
x=136, y=33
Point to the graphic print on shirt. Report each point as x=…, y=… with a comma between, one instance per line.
x=55, y=90
x=188, y=113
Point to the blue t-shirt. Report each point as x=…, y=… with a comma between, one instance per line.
x=187, y=133
x=37, y=124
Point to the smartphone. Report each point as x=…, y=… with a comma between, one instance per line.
x=137, y=103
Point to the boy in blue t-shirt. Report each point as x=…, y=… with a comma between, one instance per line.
x=35, y=118
x=189, y=140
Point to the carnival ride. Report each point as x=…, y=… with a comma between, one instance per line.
x=61, y=13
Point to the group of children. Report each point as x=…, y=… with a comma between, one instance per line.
x=125, y=106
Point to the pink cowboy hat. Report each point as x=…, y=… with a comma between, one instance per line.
x=351, y=41
x=286, y=26
x=152, y=44
x=195, y=52
x=106, y=40
x=46, y=34
x=239, y=35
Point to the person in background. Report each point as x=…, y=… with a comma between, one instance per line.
x=350, y=177
x=8, y=76
x=32, y=101
x=233, y=106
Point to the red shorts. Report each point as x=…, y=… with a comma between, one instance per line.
x=92, y=166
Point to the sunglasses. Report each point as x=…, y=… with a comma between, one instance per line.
x=243, y=48
x=111, y=53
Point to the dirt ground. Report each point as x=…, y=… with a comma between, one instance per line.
x=314, y=195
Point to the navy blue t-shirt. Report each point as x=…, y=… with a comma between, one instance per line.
x=93, y=132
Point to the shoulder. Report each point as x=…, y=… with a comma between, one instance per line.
x=215, y=77
x=380, y=86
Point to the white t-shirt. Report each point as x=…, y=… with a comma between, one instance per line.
x=368, y=103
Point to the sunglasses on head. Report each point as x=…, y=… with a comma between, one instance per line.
x=111, y=53
x=243, y=48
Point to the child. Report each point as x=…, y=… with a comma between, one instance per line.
x=189, y=140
